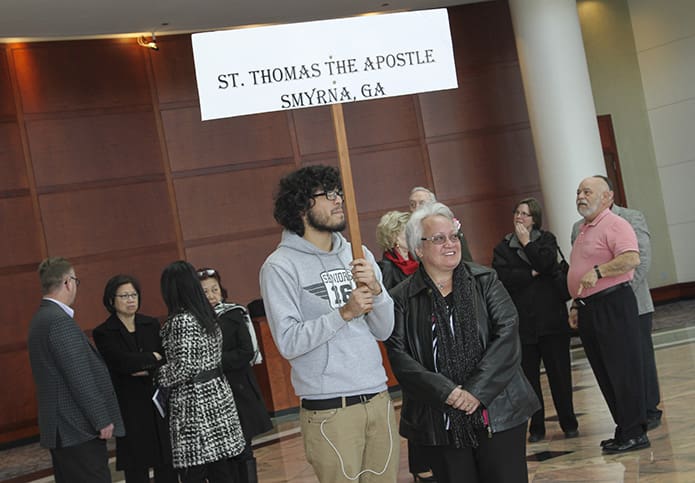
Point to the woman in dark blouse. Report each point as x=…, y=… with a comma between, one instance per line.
x=239, y=352
x=132, y=349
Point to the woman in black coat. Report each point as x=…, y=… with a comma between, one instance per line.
x=239, y=352
x=526, y=262
x=132, y=349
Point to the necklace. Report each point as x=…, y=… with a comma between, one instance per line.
x=441, y=285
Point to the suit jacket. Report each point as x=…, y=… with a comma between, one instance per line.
x=639, y=283
x=74, y=391
x=146, y=443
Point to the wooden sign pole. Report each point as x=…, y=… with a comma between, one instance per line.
x=349, y=202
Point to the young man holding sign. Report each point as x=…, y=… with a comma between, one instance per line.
x=326, y=312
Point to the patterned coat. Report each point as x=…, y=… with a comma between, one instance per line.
x=203, y=422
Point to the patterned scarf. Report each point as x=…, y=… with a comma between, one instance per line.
x=408, y=267
x=459, y=353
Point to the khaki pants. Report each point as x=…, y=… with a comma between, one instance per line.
x=360, y=434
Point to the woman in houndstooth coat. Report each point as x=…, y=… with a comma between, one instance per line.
x=203, y=422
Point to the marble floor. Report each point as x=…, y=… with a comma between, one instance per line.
x=671, y=457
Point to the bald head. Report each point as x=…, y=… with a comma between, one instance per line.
x=593, y=196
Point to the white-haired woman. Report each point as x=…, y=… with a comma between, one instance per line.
x=455, y=351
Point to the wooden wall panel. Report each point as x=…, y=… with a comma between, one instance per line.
x=174, y=71
x=487, y=166
x=19, y=243
x=482, y=34
x=13, y=174
x=83, y=149
x=18, y=399
x=145, y=265
x=224, y=203
x=238, y=261
x=381, y=121
x=314, y=130
x=99, y=220
x=67, y=76
x=193, y=144
x=7, y=107
x=384, y=178
x=492, y=96
x=23, y=293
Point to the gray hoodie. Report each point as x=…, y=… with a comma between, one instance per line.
x=303, y=287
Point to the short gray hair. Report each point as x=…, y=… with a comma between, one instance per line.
x=433, y=198
x=413, y=230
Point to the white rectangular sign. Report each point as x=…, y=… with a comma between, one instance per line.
x=308, y=64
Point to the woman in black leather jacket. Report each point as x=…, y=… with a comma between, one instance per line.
x=455, y=351
x=526, y=262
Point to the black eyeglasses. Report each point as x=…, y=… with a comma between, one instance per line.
x=440, y=239
x=72, y=277
x=126, y=296
x=209, y=272
x=330, y=195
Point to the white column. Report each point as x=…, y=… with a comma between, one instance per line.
x=560, y=105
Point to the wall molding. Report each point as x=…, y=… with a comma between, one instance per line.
x=673, y=293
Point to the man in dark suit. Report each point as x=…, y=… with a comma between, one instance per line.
x=78, y=410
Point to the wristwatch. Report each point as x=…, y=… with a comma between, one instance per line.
x=598, y=272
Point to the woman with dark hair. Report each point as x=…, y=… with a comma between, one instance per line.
x=130, y=345
x=455, y=351
x=203, y=422
x=239, y=352
x=526, y=261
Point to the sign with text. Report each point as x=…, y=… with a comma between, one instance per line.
x=309, y=64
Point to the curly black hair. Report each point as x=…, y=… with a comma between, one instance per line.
x=294, y=196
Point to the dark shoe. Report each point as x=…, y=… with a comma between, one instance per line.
x=606, y=442
x=572, y=433
x=653, y=423
x=535, y=437
x=632, y=444
x=426, y=479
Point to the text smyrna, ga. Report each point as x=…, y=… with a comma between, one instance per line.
x=331, y=95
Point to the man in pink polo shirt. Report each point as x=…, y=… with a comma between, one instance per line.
x=602, y=263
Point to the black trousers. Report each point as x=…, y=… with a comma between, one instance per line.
x=417, y=463
x=554, y=351
x=501, y=458
x=609, y=329
x=83, y=463
x=651, y=379
x=215, y=472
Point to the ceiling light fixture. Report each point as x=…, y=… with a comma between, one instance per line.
x=152, y=44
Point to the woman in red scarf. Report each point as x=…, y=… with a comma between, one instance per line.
x=396, y=265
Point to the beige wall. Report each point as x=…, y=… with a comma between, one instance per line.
x=664, y=32
x=617, y=85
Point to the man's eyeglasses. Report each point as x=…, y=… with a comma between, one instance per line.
x=72, y=277
x=126, y=296
x=440, y=239
x=208, y=271
x=330, y=195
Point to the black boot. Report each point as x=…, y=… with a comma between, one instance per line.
x=247, y=471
